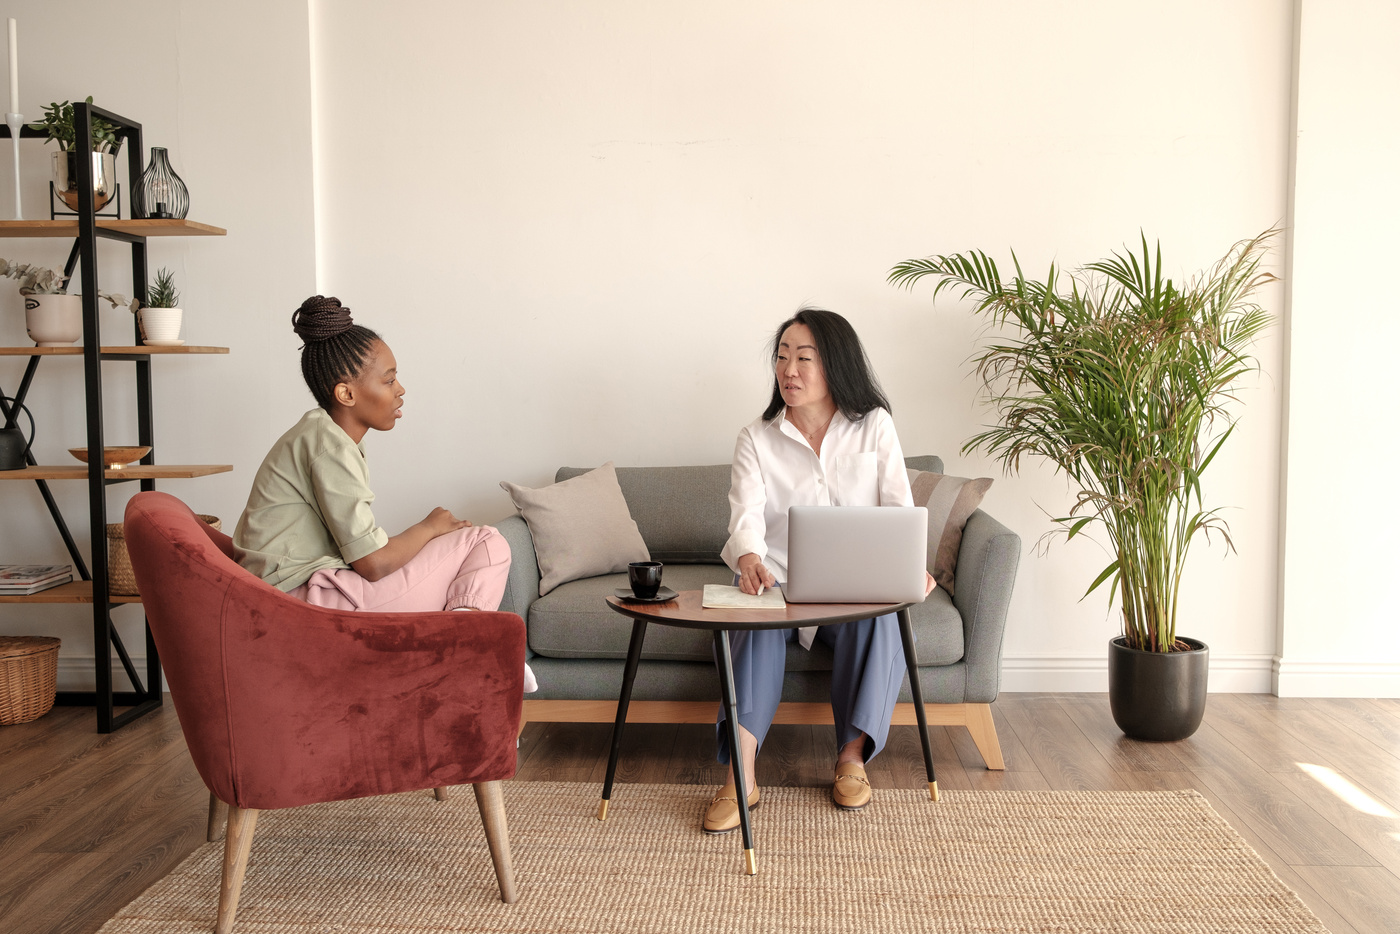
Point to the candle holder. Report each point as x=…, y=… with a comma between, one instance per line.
x=16, y=123
x=161, y=192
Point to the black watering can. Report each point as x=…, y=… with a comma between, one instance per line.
x=14, y=447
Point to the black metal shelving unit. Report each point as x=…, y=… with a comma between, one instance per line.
x=147, y=695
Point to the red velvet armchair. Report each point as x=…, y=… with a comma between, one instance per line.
x=284, y=704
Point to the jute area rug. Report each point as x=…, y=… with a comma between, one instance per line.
x=973, y=862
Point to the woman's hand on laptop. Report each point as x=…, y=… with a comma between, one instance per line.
x=753, y=574
x=928, y=583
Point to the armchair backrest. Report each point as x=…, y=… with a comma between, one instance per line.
x=283, y=703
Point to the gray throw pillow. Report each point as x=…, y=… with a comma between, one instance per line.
x=950, y=501
x=581, y=527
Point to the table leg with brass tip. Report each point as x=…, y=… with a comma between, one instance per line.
x=911, y=660
x=629, y=674
x=736, y=755
x=932, y=791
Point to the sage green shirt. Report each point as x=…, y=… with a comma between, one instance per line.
x=310, y=506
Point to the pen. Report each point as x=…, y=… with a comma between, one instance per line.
x=760, y=590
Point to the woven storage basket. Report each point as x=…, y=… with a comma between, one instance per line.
x=120, y=579
x=28, y=673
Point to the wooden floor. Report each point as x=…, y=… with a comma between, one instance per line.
x=87, y=821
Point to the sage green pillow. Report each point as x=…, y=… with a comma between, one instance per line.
x=950, y=501
x=581, y=527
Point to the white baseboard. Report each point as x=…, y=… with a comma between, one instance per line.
x=1229, y=674
x=1067, y=674
x=1335, y=679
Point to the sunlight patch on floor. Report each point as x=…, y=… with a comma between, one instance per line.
x=1348, y=792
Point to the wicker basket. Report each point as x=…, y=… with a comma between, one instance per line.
x=120, y=578
x=28, y=673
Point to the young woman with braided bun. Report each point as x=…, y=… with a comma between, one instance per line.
x=308, y=528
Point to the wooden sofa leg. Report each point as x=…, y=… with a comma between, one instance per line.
x=440, y=794
x=493, y=818
x=984, y=733
x=241, y=823
x=216, y=817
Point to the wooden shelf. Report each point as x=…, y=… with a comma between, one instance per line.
x=172, y=227
x=125, y=350
x=133, y=472
x=73, y=592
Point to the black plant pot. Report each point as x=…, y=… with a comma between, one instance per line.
x=1158, y=696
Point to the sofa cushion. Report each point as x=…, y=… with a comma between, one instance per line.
x=574, y=621
x=580, y=527
x=682, y=512
x=949, y=500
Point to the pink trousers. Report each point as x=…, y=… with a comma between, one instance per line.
x=465, y=568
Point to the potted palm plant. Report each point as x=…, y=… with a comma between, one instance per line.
x=1123, y=381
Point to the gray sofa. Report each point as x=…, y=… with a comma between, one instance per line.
x=577, y=644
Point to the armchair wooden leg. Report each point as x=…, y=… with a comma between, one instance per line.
x=241, y=823
x=217, y=810
x=440, y=794
x=493, y=818
x=984, y=733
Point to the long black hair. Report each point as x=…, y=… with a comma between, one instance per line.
x=335, y=346
x=849, y=377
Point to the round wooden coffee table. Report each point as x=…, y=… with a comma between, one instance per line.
x=685, y=611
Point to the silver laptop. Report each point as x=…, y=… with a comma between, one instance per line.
x=856, y=554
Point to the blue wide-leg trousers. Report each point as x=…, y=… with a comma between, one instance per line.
x=867, y=672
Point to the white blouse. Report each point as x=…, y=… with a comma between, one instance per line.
x=861, y=464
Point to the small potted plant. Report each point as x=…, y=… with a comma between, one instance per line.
x=58, y=124
x=161, y=315
x=52, y=316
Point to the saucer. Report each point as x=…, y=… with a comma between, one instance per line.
x=165, y=343
x=664, y=595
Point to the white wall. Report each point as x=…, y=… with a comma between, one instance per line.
x=1339, y=632
x=576, y=224
x=585, y=220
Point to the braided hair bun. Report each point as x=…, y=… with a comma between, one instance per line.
x=335, y=348
x=320, y=317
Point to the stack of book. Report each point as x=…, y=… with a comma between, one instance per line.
x=22, y=579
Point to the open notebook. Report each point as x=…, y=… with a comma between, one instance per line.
x=725, y=597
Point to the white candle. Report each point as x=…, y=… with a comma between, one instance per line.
x=14, y=66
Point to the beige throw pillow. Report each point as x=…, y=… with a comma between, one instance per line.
x=581, y=527
x=950, y=501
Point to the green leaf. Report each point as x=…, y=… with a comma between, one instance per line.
x=1074, y=530
x=1104, y=575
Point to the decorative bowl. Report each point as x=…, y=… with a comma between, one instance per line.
x=115, y=457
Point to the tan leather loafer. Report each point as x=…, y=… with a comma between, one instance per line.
x=722, y=816
x=851, y=790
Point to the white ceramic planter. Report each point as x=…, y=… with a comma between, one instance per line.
x=54, y=320
x=160, y=325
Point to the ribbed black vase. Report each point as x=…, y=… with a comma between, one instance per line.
x=161, y=193
x=1158, y=696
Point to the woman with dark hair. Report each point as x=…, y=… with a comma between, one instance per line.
x=826, y=439
x=308, y=528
